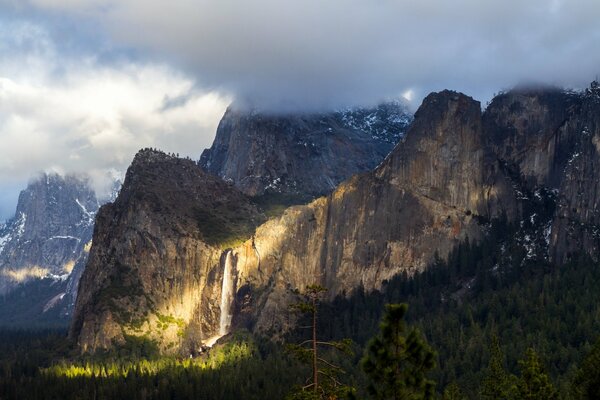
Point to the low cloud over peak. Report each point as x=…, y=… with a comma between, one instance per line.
x=85, y=83
x=315, y=54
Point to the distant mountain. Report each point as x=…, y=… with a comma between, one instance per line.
x=44, y=248
x=302, y=155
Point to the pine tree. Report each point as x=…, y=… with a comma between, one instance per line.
x=586, y=384
x=329, y=387
x=453, y=392
x=534, y=383
x=397, y=361
x=496, y=384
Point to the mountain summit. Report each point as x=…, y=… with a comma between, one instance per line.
x=302, y=155
x=44, y=248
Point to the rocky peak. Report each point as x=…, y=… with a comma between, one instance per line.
x=593, y=92
x=47, y=240
x=158, y=249
x=442, y=154
x=53, y=222
x=302, y=155
x=179, y=187
x=386, y=122
x=530, y=131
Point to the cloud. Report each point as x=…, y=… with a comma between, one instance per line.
x=313, y=54
x=77, y=114
x=85, y=83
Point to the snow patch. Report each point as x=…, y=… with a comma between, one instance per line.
x=89, y=214
x=53, y=302
x=65, y=237
x=4, y=240
x=21, y=221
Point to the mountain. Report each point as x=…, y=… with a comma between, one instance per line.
x=43, y=250
x=303, y=155
x=176, y=240
x=156, y=260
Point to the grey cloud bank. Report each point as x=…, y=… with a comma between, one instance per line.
x=312, y=54
x=85, y=83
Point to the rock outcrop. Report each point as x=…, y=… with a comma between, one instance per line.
x=47, y=239
x=155, y=268
x=576, y=226
x=302, y=156
x=155, y=272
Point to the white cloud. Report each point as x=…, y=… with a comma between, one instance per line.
x=67, y=108
x=90, y=117
x=311, y=53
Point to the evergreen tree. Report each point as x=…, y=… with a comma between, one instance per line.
x=586, y=384
x=534, y=383
x=397, y=361
x=330, y=387
x=496, y=384
x=453, y=392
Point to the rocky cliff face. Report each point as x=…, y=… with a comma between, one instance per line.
x=369, y=229
x=155, y=269
x=302, y=155
x=576, y=224
x=47, y=239
x=531, y=156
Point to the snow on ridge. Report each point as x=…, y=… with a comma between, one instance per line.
x=54, y=301
x=4, y=240
x=58, y=278
x=65, y=237
x=90, y=214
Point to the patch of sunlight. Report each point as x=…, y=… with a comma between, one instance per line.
x=68, y=267
x=26, y=273
x=230, y=353
x=87, y=247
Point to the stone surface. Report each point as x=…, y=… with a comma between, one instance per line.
x=302, y=155
x=155, y=268
x=48, y=238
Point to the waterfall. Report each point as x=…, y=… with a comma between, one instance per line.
x=226, y=295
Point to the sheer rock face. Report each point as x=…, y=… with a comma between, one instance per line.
x=533, y=133
x=550, y=139
x=426, y=197
x=48, y=239
x=576, y=225
x=52, y=225
x=154, y=269
x=302, y=155
x=454, y=170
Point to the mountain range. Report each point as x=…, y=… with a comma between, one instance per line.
x=180, y=236
x=44, y=248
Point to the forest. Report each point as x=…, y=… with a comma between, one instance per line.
x=495, y=326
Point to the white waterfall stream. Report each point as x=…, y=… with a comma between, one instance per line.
x=227, y=293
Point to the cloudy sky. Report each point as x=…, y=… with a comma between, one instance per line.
x=85, y=83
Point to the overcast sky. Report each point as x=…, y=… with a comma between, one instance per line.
x=85, y=83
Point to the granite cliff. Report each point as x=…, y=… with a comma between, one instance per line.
x=43, y=249
x=302, y=155
x=159, y=258
x=155, y=268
